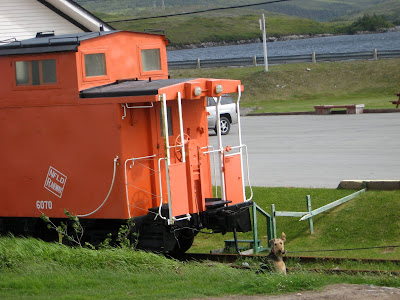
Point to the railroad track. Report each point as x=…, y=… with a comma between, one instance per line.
x=232, y=258
x=224, y=257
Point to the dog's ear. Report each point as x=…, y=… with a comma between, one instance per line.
x=283, y=236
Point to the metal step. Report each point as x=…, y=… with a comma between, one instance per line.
x=216, y=203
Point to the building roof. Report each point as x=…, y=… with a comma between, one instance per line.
x=46, y=43
x=131, y=88
x=76, y=14
x=22, y=19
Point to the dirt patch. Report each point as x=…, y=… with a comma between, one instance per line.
x=331, y=292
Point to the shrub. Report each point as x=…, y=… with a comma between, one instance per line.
x=369, y=23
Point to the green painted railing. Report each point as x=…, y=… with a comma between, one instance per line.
x=308, y=215
x=257, y=209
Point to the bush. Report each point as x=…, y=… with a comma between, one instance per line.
x=369, y=23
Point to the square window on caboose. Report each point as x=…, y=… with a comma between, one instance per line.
x=95, y=64
x=151, y=60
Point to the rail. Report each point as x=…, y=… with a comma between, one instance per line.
x=310, y=213
x=304, y=58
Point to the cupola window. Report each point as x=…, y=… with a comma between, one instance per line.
x=95, y=65
x=35, y=72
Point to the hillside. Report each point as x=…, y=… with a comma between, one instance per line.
x=292, y=87
x=319, y=10
x=232, y=25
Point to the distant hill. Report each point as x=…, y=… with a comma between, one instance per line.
x=319, y=10
x=296, y=17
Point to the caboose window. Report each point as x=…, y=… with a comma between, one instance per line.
x=35, y=72
x=151, y=60
x=95, y=64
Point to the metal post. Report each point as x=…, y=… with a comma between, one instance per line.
x=164, y=117
x=310, y=220
x=262, y=27
x=255, y=61
x=240, y=138
x=181, y=127
x=255, y=231
x=273, y=221
x=313, y=59
x=221, y=150
x=198, y=63
x=269, y=229
x=375, y=54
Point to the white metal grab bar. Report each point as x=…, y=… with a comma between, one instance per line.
x=215, y=167
x=126, y=177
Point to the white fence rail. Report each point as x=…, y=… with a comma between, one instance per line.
x=309, y=213
x=306, y=58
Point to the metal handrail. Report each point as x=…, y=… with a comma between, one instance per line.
x=126, y=176
x=215, y=168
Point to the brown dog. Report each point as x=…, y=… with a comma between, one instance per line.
x=274, y=258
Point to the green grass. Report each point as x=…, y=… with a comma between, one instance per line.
x=32, y=269
x=39, y=270
x=289, y=88
x=299, y=17
x=371, y=219
x=226, y=28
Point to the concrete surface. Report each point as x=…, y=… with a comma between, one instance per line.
x=319, y=151
x=387, y=185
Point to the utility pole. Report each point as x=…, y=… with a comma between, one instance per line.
x=262, y=27
x=162, y=5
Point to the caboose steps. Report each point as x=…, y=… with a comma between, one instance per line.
x=216, y=203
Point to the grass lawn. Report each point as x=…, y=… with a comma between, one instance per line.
x=369, y=220
x=289, y=88
x=32, y=269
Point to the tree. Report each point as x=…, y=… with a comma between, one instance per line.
x=369, y=23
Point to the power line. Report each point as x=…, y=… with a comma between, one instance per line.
x=198, y=12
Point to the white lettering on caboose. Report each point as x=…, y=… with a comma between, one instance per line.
x=55, y=182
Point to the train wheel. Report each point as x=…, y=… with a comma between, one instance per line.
x=184, y=242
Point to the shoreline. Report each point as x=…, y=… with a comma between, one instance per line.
x=272, y=39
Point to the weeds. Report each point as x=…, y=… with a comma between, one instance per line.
x=126, y=237
x=62, y=229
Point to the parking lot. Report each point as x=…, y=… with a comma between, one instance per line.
x=319, y=151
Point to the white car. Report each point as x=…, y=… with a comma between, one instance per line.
x=227, y=111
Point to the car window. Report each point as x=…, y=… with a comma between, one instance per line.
x=211, y=101
x=226, y=99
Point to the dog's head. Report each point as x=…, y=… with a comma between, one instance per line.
x=278, y=245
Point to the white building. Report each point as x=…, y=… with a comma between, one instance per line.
x=22, y=19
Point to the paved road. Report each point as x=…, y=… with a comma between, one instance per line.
x=319, y=151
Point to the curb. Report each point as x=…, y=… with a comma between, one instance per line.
x=381, y=185
x=366, y=111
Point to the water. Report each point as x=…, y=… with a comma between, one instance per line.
x=332, y=44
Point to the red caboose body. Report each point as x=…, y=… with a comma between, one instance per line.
x=92, y=123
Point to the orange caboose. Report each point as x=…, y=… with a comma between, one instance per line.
x=92, y=123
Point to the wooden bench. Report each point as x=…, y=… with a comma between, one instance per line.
x=396, y=102
x=350, y=109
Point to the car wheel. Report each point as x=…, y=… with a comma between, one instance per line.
x=225, y=125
